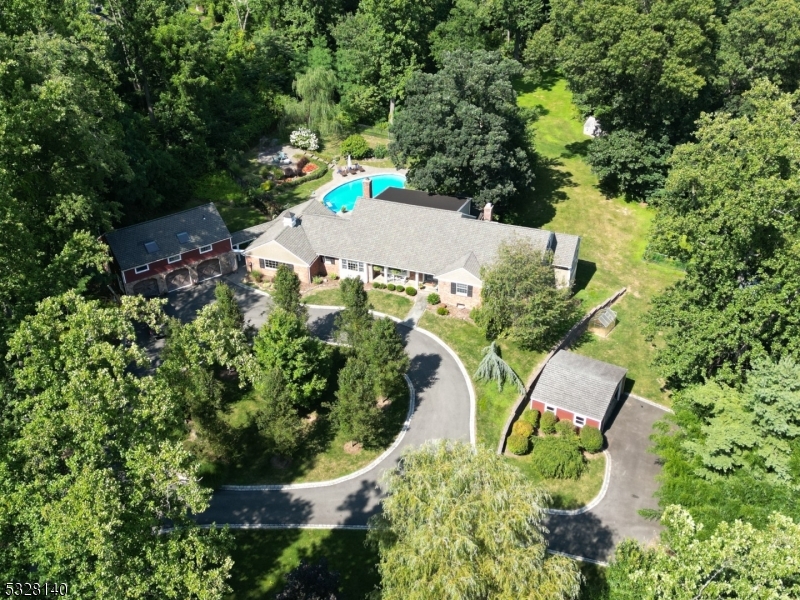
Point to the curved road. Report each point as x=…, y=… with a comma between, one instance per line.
x=442, y=412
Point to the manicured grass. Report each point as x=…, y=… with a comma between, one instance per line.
x=230, y=200
x=614, y=236
x=467, y=340
x=232, y=451
x=289, y=196
x=263, y=558
x=567, y=494
x=390, y=303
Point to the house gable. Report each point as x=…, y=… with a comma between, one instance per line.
x=275, y=251
x=460, y=276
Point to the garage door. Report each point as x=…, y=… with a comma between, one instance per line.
x=178, y=279
x=146, y=287
x=208, y=269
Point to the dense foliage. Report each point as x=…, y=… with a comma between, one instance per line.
x=736, y=561
x=591, y=439
x=520, y=300
x=558, y=457
x=310, y=581
x=460, y=522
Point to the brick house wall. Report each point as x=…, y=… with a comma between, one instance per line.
x=303, y=272
x=449, y=297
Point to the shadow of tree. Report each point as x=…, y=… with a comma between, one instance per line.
x=577, y=149
x=423, y=371
x=535, y=207
x=361, y=504
x=581, y=535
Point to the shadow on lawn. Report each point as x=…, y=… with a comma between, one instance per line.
x=536, y=208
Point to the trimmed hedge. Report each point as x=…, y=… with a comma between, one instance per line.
x=558, y=457
x=518, y=444
x=522, y=428
x=531, y=416
x=391, y=287
x=411, y=291
x=434, y=298
x=378, y=286
x=548, y=422
x=321, y=169
x=442, y=310
x=565, y=427
x=591, y=439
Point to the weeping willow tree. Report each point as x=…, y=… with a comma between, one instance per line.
x=493, y=367
x=461, y=523
x=315, y=108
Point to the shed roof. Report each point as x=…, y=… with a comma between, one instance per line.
x=578, y=384
x=162, y=237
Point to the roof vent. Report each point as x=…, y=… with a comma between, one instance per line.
x=183, y=237
x=151, y=247
x=289, y=220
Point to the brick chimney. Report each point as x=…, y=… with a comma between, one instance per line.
x=367, y=188
x=487, y=211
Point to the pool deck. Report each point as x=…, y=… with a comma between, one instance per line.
x=338, y=180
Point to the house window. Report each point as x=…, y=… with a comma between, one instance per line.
x=142, y=269
x=204, y=249
x=330, y=260
x=174, y=259
x=266, y=263
x=461, y=289
x=353, y=265
x=580, y=421
x=548, y=408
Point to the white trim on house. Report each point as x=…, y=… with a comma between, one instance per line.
x=206, y=249
x=262, y=264
x=353, y=268
x=462, y=289
x=177, y=258
x=575, y=418
x=141, y=269
x=288, y=255
x=550, y=408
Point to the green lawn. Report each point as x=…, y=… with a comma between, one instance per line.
x=220, y=188
x=232, y=452
x=567, y=494
x=289, y=196
x=263, y=558
x=614, y=236
x=390, y=303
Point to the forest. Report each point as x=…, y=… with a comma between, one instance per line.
x=117, y=111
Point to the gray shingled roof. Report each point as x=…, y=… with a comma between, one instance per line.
x=399, y=235
x=578, y=383
x=203, y=224
x=565, y=249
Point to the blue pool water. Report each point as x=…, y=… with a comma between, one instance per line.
x=345, y=195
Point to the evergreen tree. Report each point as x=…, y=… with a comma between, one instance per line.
x=353, y=323
x=384, y=350
x=355, y=412
x=286, y=291
x=278, y=420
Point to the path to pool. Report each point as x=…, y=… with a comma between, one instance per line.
x=444, y=410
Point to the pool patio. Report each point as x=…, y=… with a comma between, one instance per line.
x=338, y=180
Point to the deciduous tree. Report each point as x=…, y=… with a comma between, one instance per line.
x=356, y=413
x=459, y=522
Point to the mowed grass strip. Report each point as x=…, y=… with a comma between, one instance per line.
x=395, y=304
x=263, y=558
x=567, y=494
x=614, y=236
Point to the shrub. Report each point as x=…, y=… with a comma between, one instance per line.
x=565, y=428
x=442, y=310
x=321, y=169
x=434, y=298
x=390, y=287
x=377, y=286
x=267, y=185
x=356, y=146
x=380, y=151
x=333, y=276
x=257, y=275
x=304, y=139
x=522, y=428
x=557, y=457
x=411, y=291
x=302, y=163
x=591, y=439
x=548, y=422
x=317, y=279
x=265, y=172
x=530, y=416
x=518, y=444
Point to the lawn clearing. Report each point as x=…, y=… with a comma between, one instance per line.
x=467, y=340
x=263, y=558
x=229, y=198
x=390, y=303
x=567, y=494
x=614, y=236
x=288, y=196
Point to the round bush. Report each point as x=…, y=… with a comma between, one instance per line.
x=548, y=422
x=530, y=416
x=565, y=427
x=557, y=458
x=591, y=439
x=442, y=310
x=522, y=428
x=518, y=444
x=304, y=139
x=434, y=298
x=380, y=151
x=390, y=287
x=356, y=146
x=411, y=291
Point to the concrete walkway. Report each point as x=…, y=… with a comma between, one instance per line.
x=417, y=310
x=442, y=412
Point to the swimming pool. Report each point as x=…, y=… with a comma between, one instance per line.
x=345, y=195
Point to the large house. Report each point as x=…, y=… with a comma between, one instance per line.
x=579, y=389
x=173, y=252
x=400, y=235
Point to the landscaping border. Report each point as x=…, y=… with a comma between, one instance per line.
x=594, y=501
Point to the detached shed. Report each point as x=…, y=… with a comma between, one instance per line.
x=603, y=322
x=579, y=389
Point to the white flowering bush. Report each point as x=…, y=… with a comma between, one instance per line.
x=304, y=139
